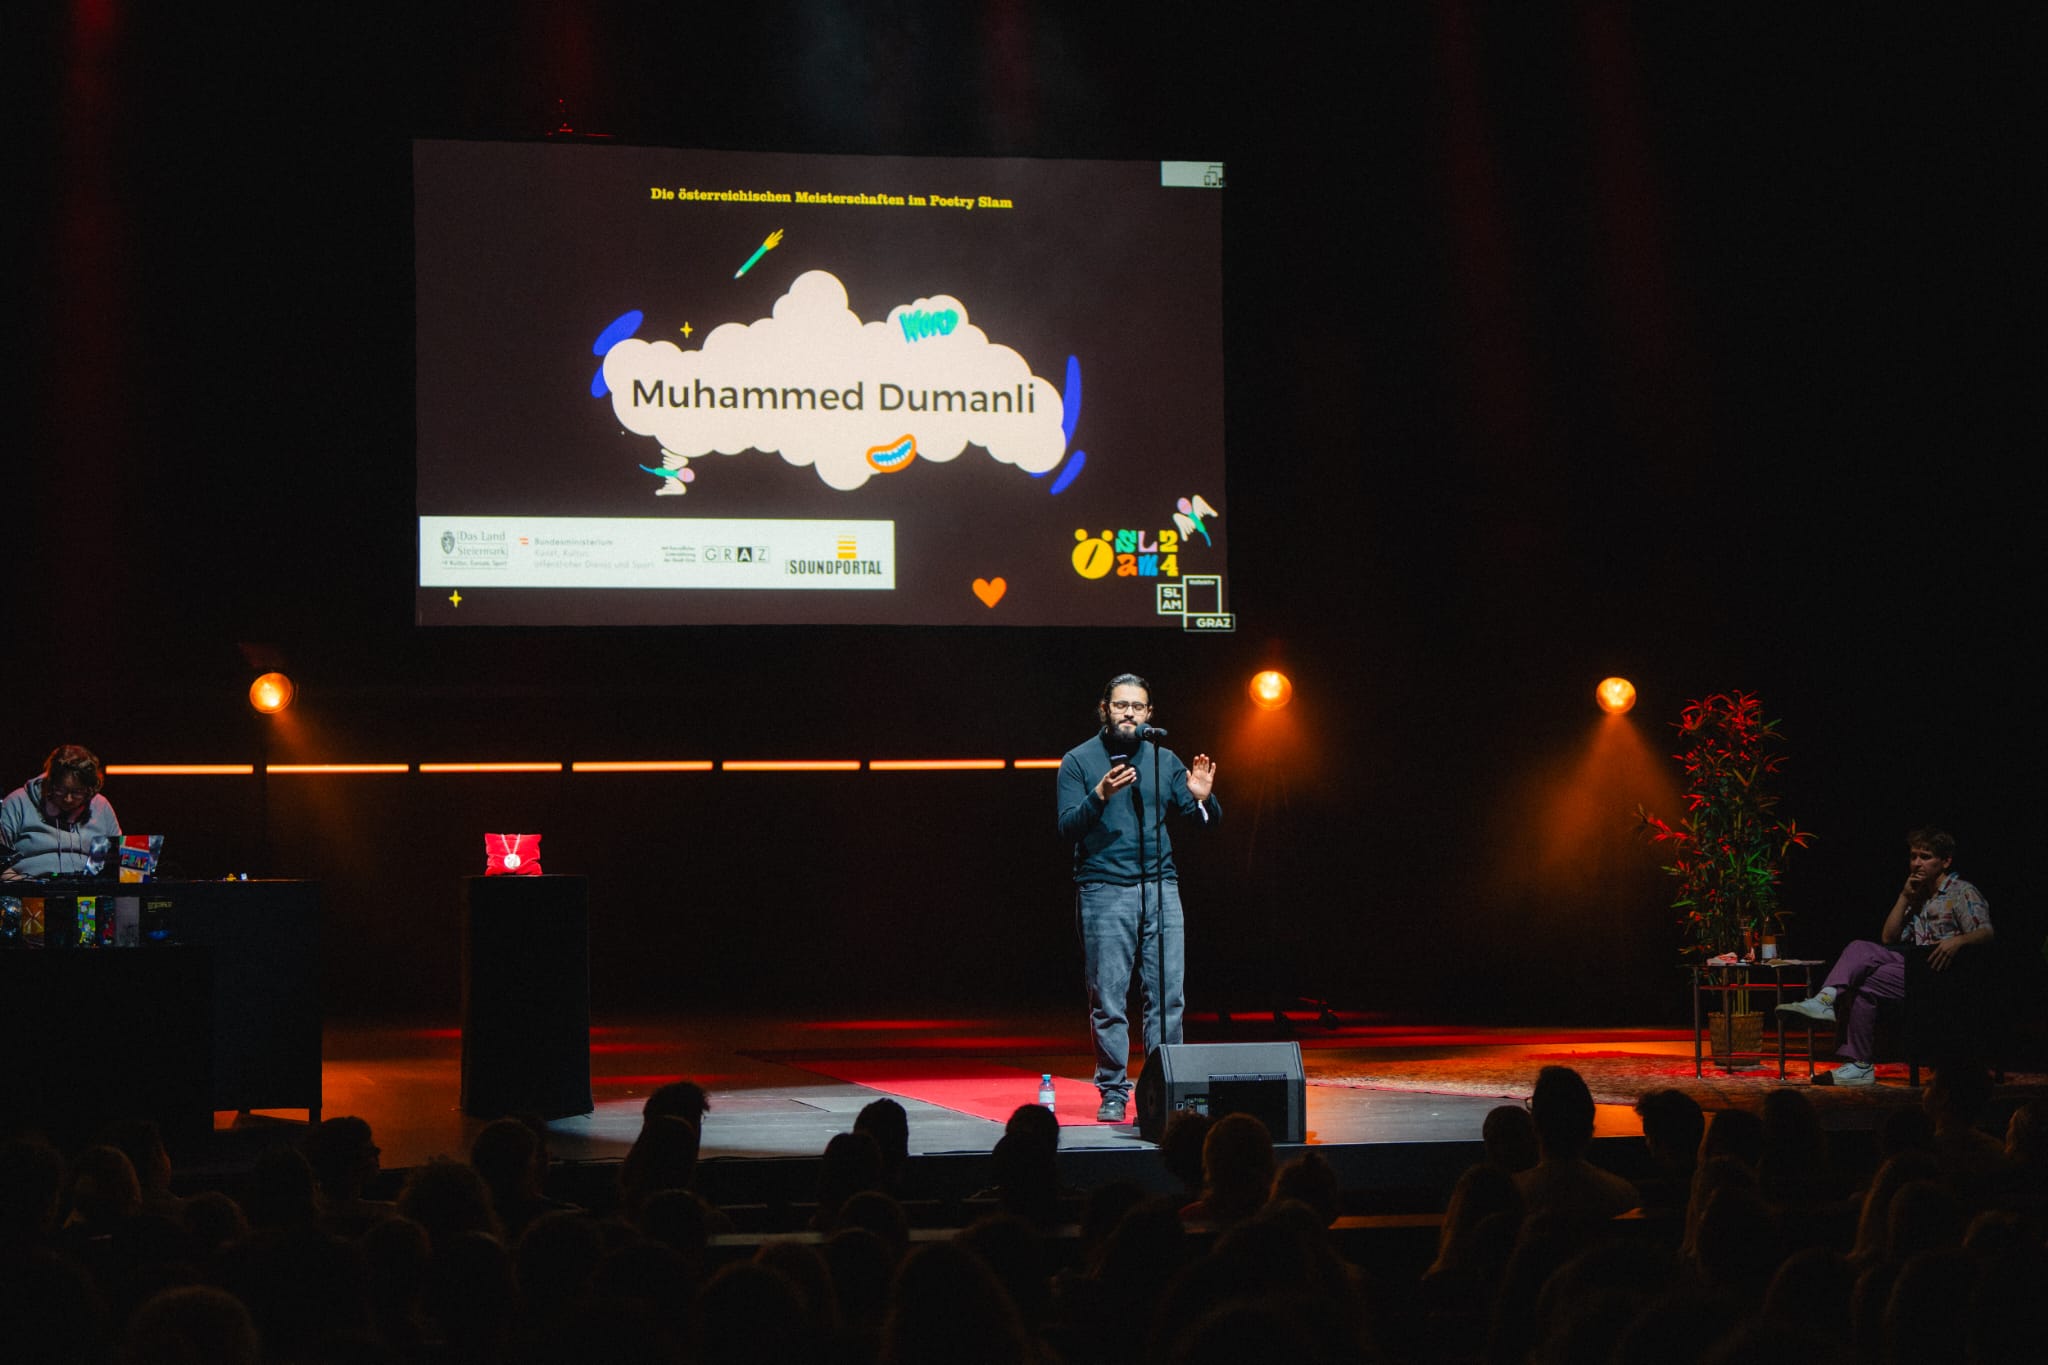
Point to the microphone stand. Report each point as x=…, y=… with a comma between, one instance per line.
x=1159, y=887
x=1138, y=810
x=1154, y=875
x=1158, y=881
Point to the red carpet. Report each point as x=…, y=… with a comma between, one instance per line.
x=1617, y=1077
x=987, y=1090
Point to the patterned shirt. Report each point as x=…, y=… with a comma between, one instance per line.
x=1956, y=907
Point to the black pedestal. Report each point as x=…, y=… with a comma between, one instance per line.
x=526, y=996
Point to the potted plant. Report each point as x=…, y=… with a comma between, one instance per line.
x=1728, y=848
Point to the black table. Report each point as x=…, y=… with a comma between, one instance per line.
x=231, y=997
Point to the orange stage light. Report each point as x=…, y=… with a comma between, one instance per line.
x=490, y=767
x=271, y=693
x=180, y=769
x=1616, y=695
x=791, y=765
x=1272, y=689
x=1036, y=763
x=334, y=769
x=643, y=765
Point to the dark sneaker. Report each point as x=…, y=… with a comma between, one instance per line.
x=1112, y=1110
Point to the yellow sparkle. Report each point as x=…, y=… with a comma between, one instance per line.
x=455, y=598
x=687, y=329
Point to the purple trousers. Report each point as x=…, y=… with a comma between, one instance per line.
x=1865, y=974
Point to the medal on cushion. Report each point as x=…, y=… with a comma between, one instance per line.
x=512, y=854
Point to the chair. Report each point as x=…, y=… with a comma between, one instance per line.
x=1960, y=1011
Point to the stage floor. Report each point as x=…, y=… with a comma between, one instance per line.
x=772, y=1096
x=1395, y=1107
x=780, y=1088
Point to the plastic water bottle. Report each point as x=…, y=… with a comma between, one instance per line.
x=1045, y=1095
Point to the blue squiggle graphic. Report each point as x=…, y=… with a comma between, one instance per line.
x=616, y=331
x=1075, y=463
x=1071, y=416
x=620, y=327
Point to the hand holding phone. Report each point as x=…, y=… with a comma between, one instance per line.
x=1120, y=775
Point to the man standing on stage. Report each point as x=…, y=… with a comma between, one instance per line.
x=1114, y=814
x=1936, y=910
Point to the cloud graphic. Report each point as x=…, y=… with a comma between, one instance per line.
x=821, y=388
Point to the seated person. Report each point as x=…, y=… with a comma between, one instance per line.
x=47, y=824
x=1510, y=1137
x=1563, y=1181
x=1673, y=1128
x=1936, y=910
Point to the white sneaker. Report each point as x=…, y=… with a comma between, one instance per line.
x=1852, y=1073
x=1813, y=1007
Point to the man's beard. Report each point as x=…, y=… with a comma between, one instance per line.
x=1117, y=741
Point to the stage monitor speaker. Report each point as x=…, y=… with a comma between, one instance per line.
x=1261, y=1079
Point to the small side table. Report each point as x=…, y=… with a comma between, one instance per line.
x=1771, y=975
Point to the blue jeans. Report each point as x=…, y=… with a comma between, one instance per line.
x=1119, y=926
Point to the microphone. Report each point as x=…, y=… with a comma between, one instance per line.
x=1151, y=732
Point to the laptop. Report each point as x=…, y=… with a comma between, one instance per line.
x=133, y=859
x=139, y=854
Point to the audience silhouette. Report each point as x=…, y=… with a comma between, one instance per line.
x=1746, y=1238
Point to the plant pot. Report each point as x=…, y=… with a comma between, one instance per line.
x=1730, y=1034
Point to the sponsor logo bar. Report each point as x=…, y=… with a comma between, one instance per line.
x=656, y=553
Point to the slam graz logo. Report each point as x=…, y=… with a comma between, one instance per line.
x=447, y=542
x=735, y=554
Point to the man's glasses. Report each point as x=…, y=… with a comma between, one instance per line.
x=1134, y=708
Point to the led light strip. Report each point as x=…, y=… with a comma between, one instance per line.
x=791, y=765
x=650, y=765
x=933, y=765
